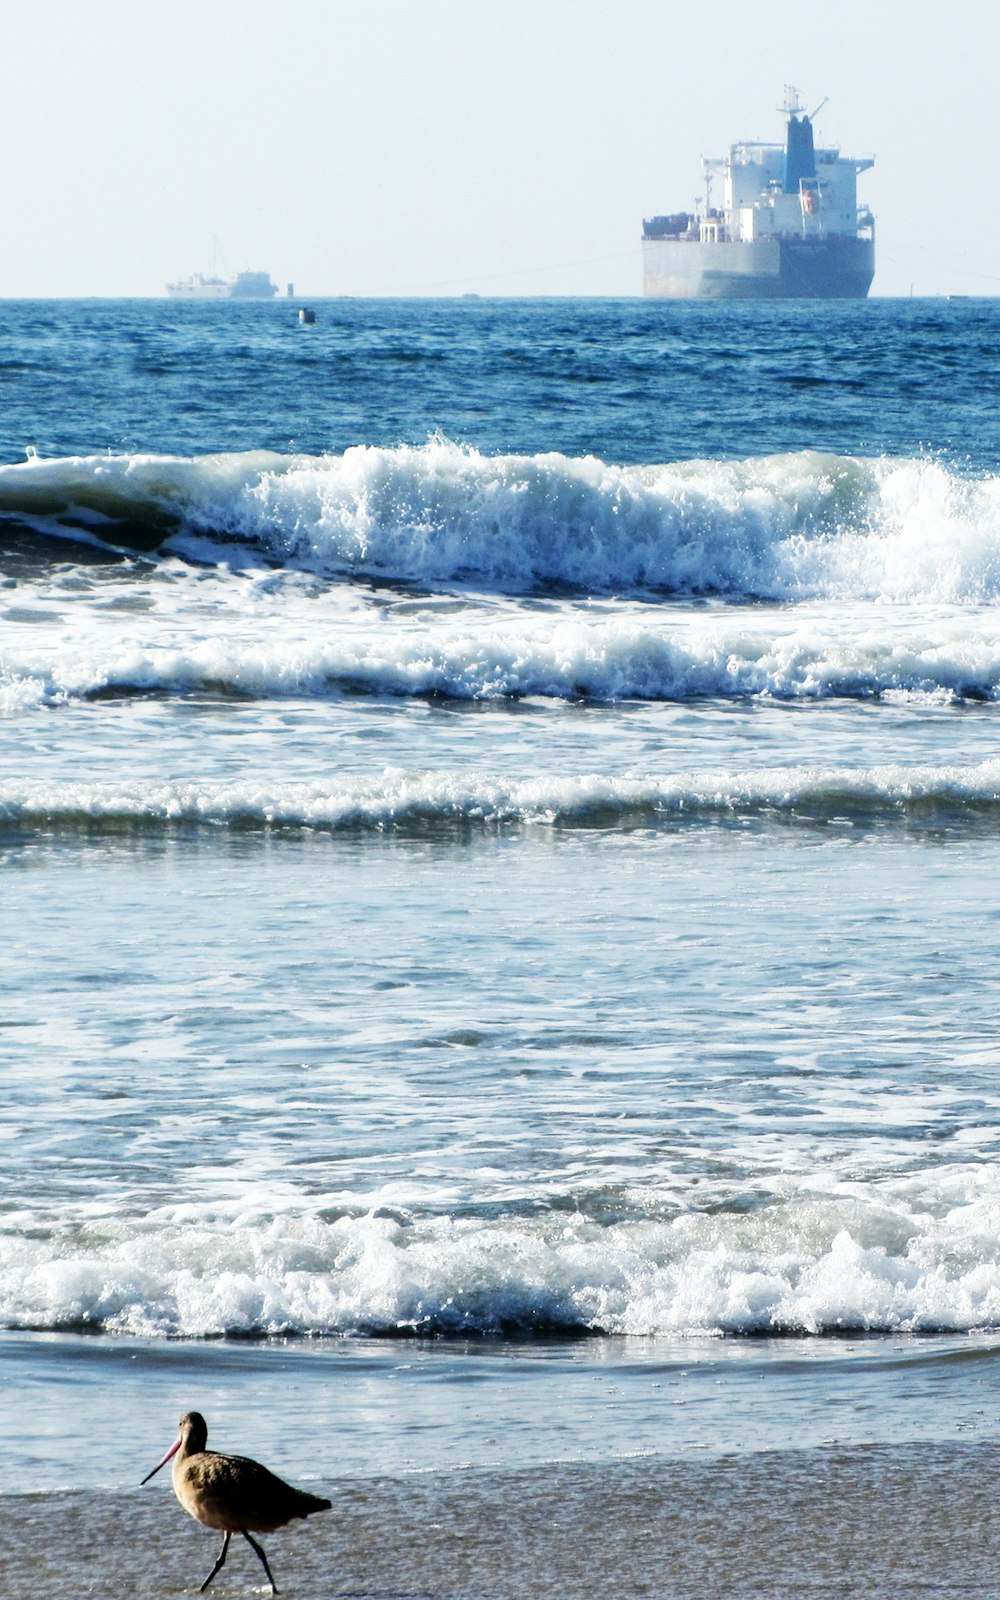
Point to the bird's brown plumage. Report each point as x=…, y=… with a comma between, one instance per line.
x=231, y=1493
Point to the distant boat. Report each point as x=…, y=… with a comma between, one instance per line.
x=245, y=286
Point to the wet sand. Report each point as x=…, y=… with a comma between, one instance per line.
x=879, y=1522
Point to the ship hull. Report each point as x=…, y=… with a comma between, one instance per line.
x=765, y=269
x=198, y=291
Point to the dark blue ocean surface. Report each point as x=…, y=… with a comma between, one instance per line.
x=627, y=380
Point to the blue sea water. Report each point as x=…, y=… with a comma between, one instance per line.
x=500, y=829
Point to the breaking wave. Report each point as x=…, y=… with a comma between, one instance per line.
x=783, y=527
x=397, y=799
x=231, y=642
x=918, y=1256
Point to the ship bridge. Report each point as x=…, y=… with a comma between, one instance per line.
x=776, y=191
x=758, y=205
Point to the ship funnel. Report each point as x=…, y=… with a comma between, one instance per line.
x=800, y=156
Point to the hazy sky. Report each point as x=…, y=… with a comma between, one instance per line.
x=440, y=146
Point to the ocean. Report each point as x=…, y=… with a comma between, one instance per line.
x=500, y=828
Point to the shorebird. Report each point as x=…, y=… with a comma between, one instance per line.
x=231, y=1493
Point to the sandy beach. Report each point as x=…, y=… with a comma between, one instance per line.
x=884, y=1522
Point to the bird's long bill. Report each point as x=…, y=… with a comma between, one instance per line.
x=171, y=1452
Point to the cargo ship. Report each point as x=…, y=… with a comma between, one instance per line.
x=789, y=226
x=245, y=286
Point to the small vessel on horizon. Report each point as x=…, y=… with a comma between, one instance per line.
x=245, y=286
x=789, y=226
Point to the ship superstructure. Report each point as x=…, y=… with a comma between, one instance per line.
x=788, y=225
x=245, y=286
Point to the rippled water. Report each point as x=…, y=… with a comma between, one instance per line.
x=500, y=819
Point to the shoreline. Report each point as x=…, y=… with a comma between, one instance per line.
x=85, y=1412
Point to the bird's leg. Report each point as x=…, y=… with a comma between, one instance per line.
x=263, y=1557
x=218, y=1564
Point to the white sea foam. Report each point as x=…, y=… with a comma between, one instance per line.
x=226, y=635
x=784, y=527
x=919, y=1256
x=396, y=798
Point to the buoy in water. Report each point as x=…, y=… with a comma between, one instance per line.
x=307, y=315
